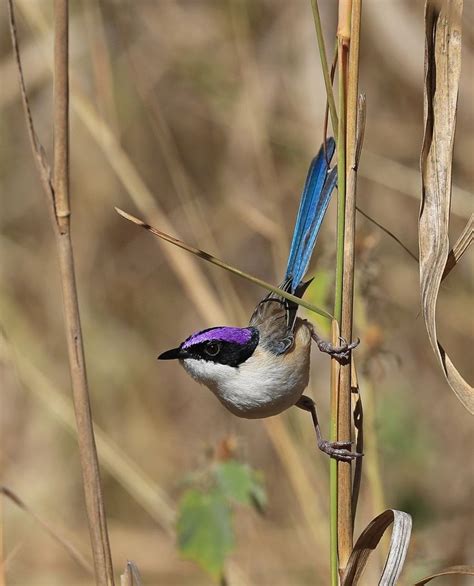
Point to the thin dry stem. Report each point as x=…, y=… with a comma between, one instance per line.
x=344, y=22
x=345, y=524
x=216, y=261
x=327, y=75
x=344, y=478
x=2, y=550
x=75, y=554
x=58, y=198
x=87, y=448
x=61, y=112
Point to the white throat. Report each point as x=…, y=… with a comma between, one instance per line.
x=262, y=386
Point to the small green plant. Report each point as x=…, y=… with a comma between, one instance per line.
x=205, y=519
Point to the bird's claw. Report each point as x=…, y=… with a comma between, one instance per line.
x=338, y=450
x=341, y=352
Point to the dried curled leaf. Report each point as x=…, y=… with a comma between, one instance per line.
x=368, y=541
x=442, y=71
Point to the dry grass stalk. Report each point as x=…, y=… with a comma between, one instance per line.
x=75, y=554
x=57, y=194
x=220, y=263
x=345, y=528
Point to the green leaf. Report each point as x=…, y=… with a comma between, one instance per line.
x=238, y=482
x=205, y=530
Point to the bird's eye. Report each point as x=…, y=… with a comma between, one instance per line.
x=213, y=348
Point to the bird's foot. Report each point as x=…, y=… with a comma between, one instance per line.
x=341, y=352
x=338, y=450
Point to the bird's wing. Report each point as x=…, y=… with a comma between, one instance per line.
x=271, y=319
x=275, y=318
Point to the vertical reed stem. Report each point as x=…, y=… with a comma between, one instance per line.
x=57, y=198
x=341, y=472
x=87, y=448
x=348, y=64
x=335, y=536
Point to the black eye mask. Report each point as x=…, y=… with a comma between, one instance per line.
x=221, y=351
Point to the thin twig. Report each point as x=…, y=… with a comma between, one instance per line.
x=220, y=263
x=58, y=200
x=388, y=232
x=76, y=555
x=42, y=165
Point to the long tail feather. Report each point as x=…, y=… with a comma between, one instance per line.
x=317, y=191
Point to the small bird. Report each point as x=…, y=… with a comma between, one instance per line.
x=261, y=370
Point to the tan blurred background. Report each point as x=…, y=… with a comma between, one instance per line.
x=202, y=116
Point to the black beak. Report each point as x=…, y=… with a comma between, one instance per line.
x=171, y=354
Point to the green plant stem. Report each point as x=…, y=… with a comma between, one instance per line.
x=324, y=65
x=333, y=467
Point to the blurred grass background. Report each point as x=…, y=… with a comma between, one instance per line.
x=217, y=107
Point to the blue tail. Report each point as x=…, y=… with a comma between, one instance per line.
x=317, y=191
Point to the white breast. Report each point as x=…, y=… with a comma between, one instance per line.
x=263, y=385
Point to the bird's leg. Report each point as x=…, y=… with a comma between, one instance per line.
x=337, y=450
x=342, y=352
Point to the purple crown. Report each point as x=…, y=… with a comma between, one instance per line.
x=223, y=334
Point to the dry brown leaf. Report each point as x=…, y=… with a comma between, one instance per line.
x=451, y=571
x=368, y=541
x=442, y=70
